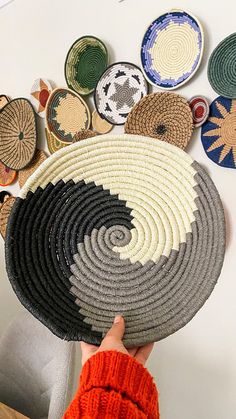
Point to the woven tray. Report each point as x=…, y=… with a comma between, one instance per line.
x=116, y=224
x=222, y=69
x=171, y=49
x=120, y=87
x=85, y=62
x=66, y=114
x=219, y=132
x=18, y=134
x=165, y=116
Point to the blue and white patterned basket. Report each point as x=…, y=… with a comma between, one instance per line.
x=172, y=49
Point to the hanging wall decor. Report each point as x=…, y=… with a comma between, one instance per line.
x=222, y=68
x=200, y=110
x=38, y=159
x=18, y=134
x=219, y=132
x=171, y=49
x=116, y=224
x=7, y=176
x=165, y=116
x=39, y=95
x=85, y=62
x=120, y=87
x=66, y=114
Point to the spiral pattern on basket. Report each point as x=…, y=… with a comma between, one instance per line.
x=171, y=49
x=116, y=224
x=85, y=63
x=222, y=68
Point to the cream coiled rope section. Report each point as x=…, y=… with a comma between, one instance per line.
x=116, y=224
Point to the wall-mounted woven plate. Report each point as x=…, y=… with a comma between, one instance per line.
x=120, y=87
x=200, y=110
x=39, y=95
x=85, y=62
x=7, y=176
x=38, y=159
x=66, y=114
x=116, y=224
x=172, y=49
x=222, y=68
x=17, y=134
x=100, y=125
x=219, y=132
x=165, y=116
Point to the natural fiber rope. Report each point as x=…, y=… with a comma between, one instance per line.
x=85, y=62
x=120, y=87
x=222, y=68
x=165, y=116
x=17, y=134
x=172, y=49
x=116, y=224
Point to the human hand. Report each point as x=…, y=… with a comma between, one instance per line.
x=113, y=342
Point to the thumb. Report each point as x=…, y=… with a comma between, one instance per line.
x=118, y=328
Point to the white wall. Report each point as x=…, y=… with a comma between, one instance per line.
x=195, y=369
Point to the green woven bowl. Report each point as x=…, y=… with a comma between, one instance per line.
x=222, y=67
x=85, y=62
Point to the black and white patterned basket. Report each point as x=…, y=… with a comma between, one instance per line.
x=116, y=224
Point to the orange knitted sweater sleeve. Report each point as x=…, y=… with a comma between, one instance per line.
x=114, y=385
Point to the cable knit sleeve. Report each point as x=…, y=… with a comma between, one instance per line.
x=114, y=385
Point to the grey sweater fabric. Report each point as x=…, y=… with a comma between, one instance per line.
x=36, y=369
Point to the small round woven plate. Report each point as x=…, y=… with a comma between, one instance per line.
x=38, y=159
x=39, y=95
x=66, y=114
x=200, y=110
x=116, y=224
x=120, y=87
x=18, y=134
x=222, y=68
x=172, y=49
x=100, y=125
x=7, y=176
x=85, y=62
x=219, y=132
x=5, y=210
x=165, y=116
